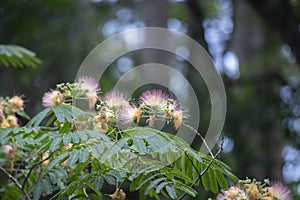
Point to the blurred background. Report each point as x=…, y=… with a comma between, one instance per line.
x=255, y=45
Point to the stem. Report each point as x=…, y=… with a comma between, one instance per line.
x=26, y=178
x=84, y=192
x=15, y=182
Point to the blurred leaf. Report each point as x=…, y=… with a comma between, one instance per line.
x=17, y=56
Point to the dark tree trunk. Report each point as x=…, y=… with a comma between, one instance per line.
x=280, y=16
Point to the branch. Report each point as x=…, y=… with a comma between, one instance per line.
x=15, y=182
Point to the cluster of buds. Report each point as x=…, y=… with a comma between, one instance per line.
x=255, y=190
x=85, y=87
x=8, y=109
x=113, y=108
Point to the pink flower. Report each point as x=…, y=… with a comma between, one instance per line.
x=279, y=191
x=115, y=101
x=53, y=98
x=12, y=120
x=233, y=193
x=91, y=87
x=155, y=99
x=129, y=114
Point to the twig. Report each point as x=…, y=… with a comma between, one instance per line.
x=37, y=164
x=204, y=142
x=15, y=182
x=18, y=167
x=207, y=167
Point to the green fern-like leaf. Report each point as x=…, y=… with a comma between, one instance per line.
x=67, y=139
x=62, y=113
x=161, y=186
x=37, y=191
x=139, y=145
x=73, y=158
x=153, y=184
x=55, y=144
x=37, y=120
x=75, y=138
x=221, y=180
x=17, y=56
x=185, y=188
x=171, y=192
x=83, y=155
x=48, y=187
x=58, y=159
x=154, y=162
x=213, y=180
x=99, y=181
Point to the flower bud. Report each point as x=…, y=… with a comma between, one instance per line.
x=253, y=192
x=12, y=120
x=119, y=194
x=17, y=103
x=4, y=123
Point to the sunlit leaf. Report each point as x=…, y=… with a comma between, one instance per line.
x=171, y=192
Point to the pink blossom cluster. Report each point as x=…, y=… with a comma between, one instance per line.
x=113, y=108
x=152, y=105
x=253, y=190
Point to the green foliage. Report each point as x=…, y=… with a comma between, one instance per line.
x=72, y=162
x=17, y=56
